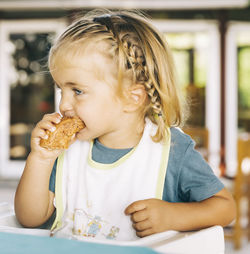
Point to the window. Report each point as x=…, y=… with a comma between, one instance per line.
x=27, y=90
x=31, y=88
x=191, y=58
x=243, y=56
x=195, y=46
x=237, y=89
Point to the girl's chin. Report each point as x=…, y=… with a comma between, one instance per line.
x=81, y=135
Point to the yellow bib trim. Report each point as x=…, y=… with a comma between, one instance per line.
x=58, y=193
x=163, y=166
x=98, y=165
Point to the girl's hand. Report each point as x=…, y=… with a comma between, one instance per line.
x=149, y=216
x=152, y=216
x=39, y=132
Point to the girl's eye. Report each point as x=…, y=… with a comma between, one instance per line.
x=77, y=91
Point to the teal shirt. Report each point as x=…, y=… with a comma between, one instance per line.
x=189, y=177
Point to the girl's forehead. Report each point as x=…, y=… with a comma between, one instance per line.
x=87, y=61
x=90, y=59
x=75, y=55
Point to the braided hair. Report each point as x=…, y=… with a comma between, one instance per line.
x=136, y=47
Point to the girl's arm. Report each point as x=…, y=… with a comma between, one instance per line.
x=153, y=215
x=33, y=200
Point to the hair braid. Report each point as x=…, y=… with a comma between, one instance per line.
x=130, y=44
x=136, y=61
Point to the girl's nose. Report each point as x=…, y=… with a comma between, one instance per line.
x=65, y=106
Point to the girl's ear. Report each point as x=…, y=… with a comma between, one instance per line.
x=136, y=97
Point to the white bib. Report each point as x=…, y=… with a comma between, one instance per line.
x=91, y=197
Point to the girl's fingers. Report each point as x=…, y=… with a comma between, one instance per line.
x=139, y=216
x=142, y=225
x=46, y=125
x=49, y=120
x=144, y=233
x=39, y=134
x=54, y=118
x=42, y=134
x=135, y=207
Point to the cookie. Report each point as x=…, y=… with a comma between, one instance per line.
x=61, y=137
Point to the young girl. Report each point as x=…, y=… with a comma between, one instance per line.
x=129, y=173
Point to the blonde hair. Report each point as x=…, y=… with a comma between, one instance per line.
x=137, y=47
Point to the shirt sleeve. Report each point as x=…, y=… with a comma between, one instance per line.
x=197, y=180
x=52, y=180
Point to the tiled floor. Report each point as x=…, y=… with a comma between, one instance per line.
x=7, y=193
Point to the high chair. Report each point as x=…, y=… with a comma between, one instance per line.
x=32, y=240
x=242, y=189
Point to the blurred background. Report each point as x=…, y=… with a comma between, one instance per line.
x=210, y=40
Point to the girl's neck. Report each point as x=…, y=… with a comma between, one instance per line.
x=127, y=137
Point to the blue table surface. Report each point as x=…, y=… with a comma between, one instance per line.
x=29, y=244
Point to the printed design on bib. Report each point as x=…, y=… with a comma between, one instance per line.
x=86, y=225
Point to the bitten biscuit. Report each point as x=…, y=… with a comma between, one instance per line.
x=60, y=138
